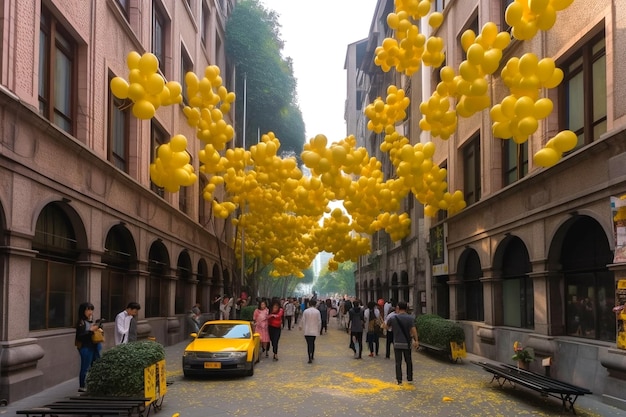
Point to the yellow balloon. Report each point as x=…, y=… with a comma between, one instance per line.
x=538, y=6
x=143, y=109
x=565, y=141
x=524, y=106
x=514, y=13
x=546, y=157
x=528, y=64
x=503, y=39
x=468, y=71
x=489, y=33
x=501, y=130
x=467, y=38
x=561, y=4
x=136, y=92
x=132, y=60
x=155, y=83
x=555, y=79
x=148, y=64
x=547, y=18
x=435, y=20
x=178, y=143
x=119, y=87
x=475, y=54
x=543, y=108
x=545, y=69
x=528, y=125
x=491, y=60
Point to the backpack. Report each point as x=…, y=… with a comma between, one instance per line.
x=375, y=324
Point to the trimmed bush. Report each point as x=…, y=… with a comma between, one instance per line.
x=247, y=313
x=119, y=372
x=436, y=331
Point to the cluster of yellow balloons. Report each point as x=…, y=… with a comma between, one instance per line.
x=171, y=168
x=381, y=113
x=526, y=17
x=518, y=115
x=209, y=100
x=437, y=117
x=147, y=88
x=563, y=141
x=409, y=48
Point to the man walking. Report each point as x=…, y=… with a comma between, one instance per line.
x=312, y=325
x=122, y=322
x=404, y=339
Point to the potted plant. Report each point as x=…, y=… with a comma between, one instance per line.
x=521, y=355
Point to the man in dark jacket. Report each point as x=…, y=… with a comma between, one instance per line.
x=404, y=339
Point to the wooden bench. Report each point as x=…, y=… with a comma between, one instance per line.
x=47, y=411
x=567, y=393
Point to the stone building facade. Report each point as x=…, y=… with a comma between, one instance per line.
x=532, y=257
x=80, y=219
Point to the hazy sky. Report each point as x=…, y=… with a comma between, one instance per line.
x=316, y=36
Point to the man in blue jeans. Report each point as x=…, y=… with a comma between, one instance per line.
x=404, y=339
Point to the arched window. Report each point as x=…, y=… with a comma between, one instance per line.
x=119, y=256
x=518, y=308
x=589, y=285
x=183, y=285
x=157, y=285
x=471, y=299
x=53, y=286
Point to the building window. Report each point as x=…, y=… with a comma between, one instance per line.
x=504, y=4
x=185, y=66
x=205, y=24
x=160, y=27
x=119, y=121
x=157, y=284
x=203, y=215
x=124, y=7
x=53, y=286
x=157, y=138
x=583, y=91
x=183, y=197
x=514, y=161
x=57, y=69
x=471, y=170
x=472, y=24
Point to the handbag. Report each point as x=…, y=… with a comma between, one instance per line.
x=414, y=343
x=97, y=336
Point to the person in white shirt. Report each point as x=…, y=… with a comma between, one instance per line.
x=312, y=325
x=225, y=307
x=122, y=322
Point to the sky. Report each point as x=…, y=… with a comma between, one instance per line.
x=316, y=36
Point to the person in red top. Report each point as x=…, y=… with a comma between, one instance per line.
x=274, y=325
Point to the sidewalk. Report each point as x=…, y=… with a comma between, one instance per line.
x=338, y=384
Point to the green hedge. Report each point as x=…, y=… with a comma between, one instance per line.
x=247, y=313
x=438, y=332
x=119, y=372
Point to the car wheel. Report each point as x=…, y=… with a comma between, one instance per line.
x=250, y=371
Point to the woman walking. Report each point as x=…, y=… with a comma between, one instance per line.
x=312, y=325
x=88, y=351
x=274, y=325
x=260, y=319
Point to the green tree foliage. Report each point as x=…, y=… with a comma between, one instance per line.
x=254, y=46
x=340, y=281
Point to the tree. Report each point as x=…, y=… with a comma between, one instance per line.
x=340, y=281
x=253, y=44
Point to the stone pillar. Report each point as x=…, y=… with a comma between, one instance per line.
x=492, y=297
x=454, y=284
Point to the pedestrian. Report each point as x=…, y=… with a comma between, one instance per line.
x=260, y=326
x=193, y=318
x=404, y=340
x=323, y=309
x=297, y=311
x=122, y=322
x=371, y=317
x=87, y=349
x=290, y=310
x=312, y=325
x=225, y=307
x=345, y=313
x=274, y=325
x=355, y=324
x=389, y=335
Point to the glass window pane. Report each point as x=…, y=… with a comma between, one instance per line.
x=60, y=308
x=38, y=294
x=43, y=73
x=511, y=291
x=599, y=89
x=575, y=103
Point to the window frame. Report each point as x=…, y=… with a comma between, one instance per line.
x=118, y=106
x=514, y=173
x=472, y=147
x=50, y=30
x=584, y=52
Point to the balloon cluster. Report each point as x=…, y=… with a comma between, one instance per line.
x=147, y=88
x=208, y=101
x=518, y=114
x=171, y=168
x=409, y=48
x=526, y=17
x=381, y=114
x=563, y=141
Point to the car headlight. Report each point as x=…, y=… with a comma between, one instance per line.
x=236, y=355
x=189, y=354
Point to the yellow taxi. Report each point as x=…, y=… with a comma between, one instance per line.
x=222, y=346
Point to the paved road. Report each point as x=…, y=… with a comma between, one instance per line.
x=336, y=384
